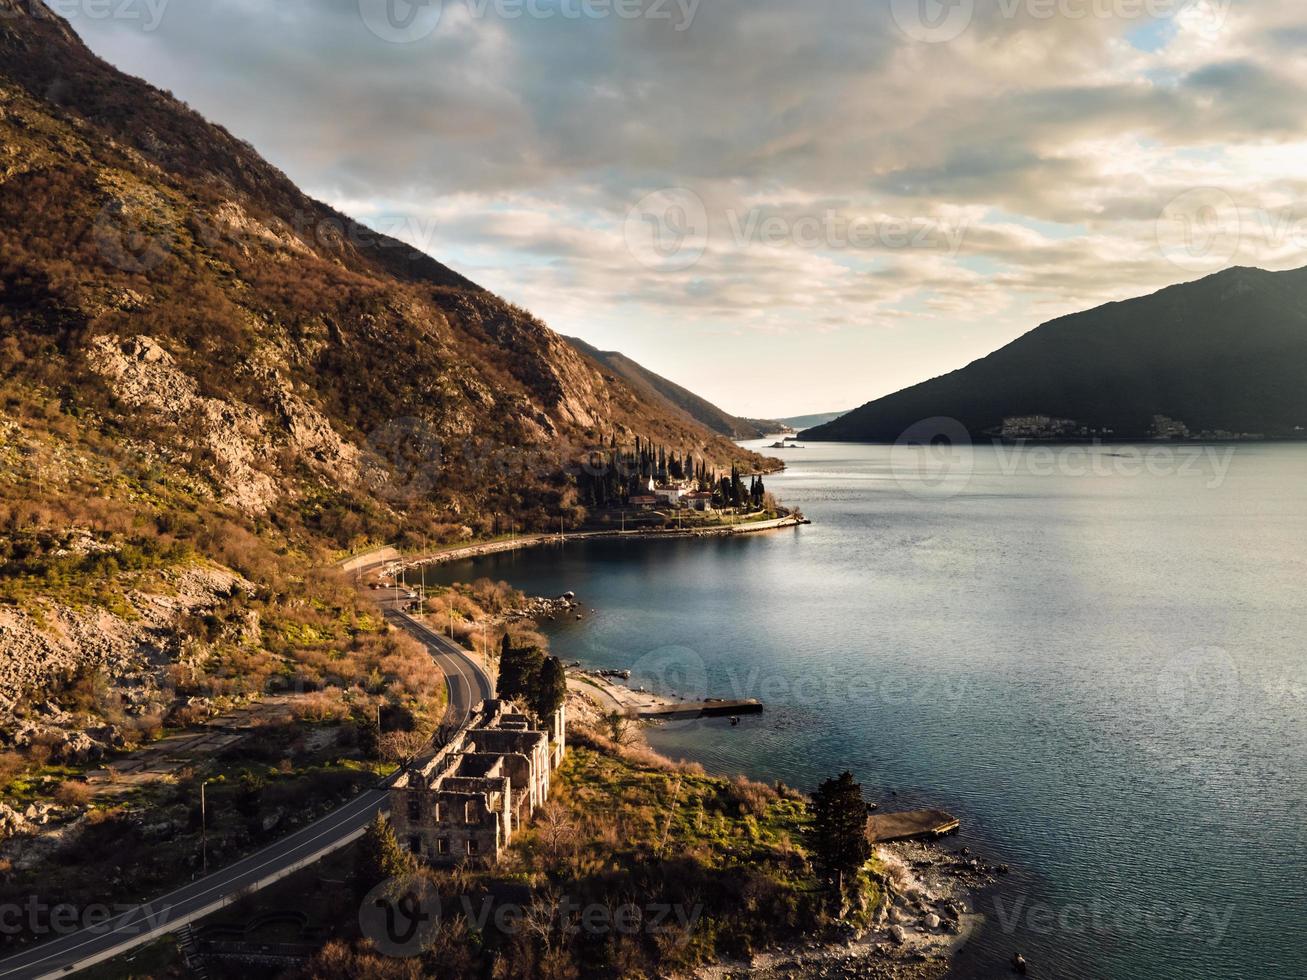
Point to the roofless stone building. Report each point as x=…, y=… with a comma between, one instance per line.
x=465, y=805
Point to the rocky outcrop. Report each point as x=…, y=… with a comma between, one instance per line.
x=26, y=820
x=63, y=640
x=242, y=441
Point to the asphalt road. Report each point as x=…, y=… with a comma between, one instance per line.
x=468, y=685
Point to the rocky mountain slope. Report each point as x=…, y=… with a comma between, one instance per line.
x=657, y=389
x=1225, y=355
x=204, y=370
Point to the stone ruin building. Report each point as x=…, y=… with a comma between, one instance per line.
x=465, y=805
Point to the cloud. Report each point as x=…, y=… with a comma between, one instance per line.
x=518, y=146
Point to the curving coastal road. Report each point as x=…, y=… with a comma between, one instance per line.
x=468, y=685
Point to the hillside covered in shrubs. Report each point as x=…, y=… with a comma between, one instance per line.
x=213, y=386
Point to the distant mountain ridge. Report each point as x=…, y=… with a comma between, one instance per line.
x=801, y=422
x=1225, y=355
x=657, y=388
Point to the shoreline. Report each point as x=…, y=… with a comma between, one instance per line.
x=386, y=559
x=932, y=896
x=934, y=890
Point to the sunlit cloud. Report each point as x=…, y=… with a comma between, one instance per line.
x=853, y=182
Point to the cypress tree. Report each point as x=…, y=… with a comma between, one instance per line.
x=840, y=828
x=551, y=690
x=519, y=671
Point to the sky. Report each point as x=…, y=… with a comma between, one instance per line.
x=787, y=206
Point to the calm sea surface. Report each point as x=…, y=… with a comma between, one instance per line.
x=1095, y=657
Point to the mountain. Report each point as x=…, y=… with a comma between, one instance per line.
x=656, y=388
x=809, y=421
x=210, y=382
x=155, y=267
x=1224, y=355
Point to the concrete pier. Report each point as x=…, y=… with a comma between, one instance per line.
x=910, y=825
x=699, y=709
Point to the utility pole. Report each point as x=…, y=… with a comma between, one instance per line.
x=204, y=832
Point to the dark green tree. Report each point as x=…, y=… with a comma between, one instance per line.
x=519, y=670
x=249, y=802
x=367, y=732
x=551, y=690
x=839, y=816
x=379, y=857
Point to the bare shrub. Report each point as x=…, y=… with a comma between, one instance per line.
x=751, y=798
x=73, y=793
x=320, y=706
x=11, y=765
